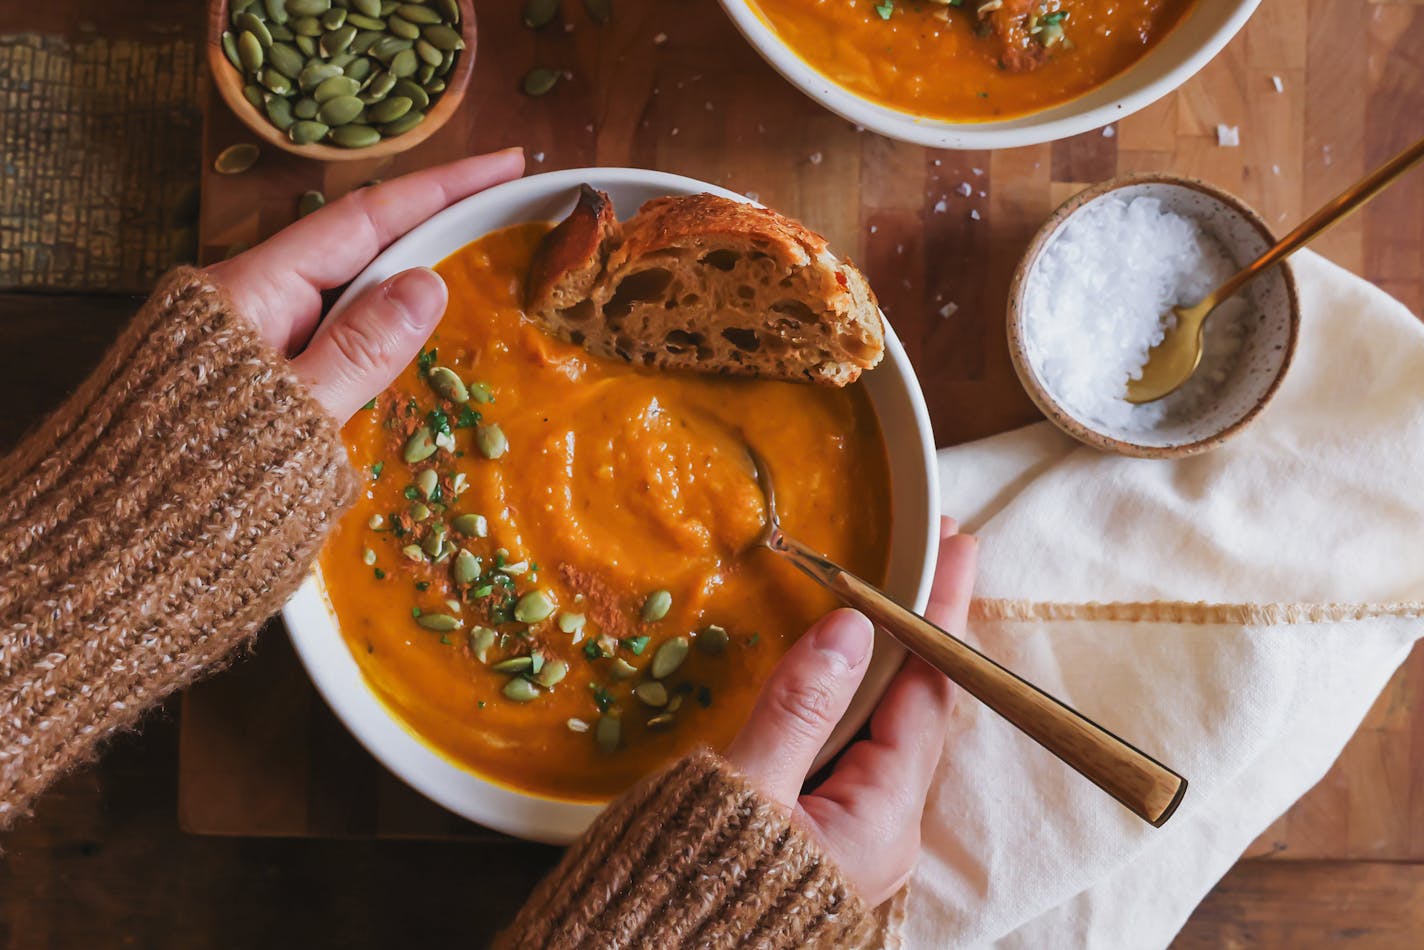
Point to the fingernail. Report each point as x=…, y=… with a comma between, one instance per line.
x=846, y=635
x=420, y=294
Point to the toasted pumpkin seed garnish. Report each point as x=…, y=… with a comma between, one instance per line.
x=421, y=445
x=576, y=724
x=481, y=639
x=552, y=673
x=621, y=669
x=418, y=511
x=426, y=481
x=480, y=393
x=533, y=607
x=236, y=159
x=652, y=693
x=442, y=379
x=656, y=606
x=520, y=690
x=669, y=657
x=608, y=733
x=570, y=622
x=490, y=440
x=514, y=665
x=465, y=568
x=434, y=543
x=712, y=640
x=440, y=623
x=471, y=526
x=662, y=722
x=414, y=553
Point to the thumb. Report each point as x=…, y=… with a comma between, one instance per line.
x=357, y=353
x=805, y=697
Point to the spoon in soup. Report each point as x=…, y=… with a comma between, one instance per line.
x=1145, y=786
x=1171, y=363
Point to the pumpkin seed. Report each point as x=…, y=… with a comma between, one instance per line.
x=381, y=86
x=369, y=557
x=404, y=124
x=236, y=159
x=431, y=55
x=409, y=90
x=515, y=569
x=540, y=13
x=434, y=543
x=424, y=73
x=481, y=639
x=712, y=640
x=315, y=73
x=306, y=44
x=308, y=7
x=355, y=136
x=276, y=82
x=539, y=81
x=249, y=50
x=513, y=665
x=305, y=108
x=552, y=674
x=239, y=5
x=480, y=393
x=662, y=723
x=571, y=623
x=251, y=24
x=364, y=40
x=413, y=552
x=421, y=445
x=337, y=41
x=621, y=669
x=520, y=690
x=656, y=606
x=447, y=59
x=435, y=86
x=341, y=59
x=418, y=13
x=376, y=522
x=387, y=47
x=674, y=704
x=358, y=69
x=490, y=440
x=371, y=8
x=608, y=733
x=440, y=623
x=442, y=379
x=466, y=568
x=334, y=19
x=443, y=37
x=652, y=693
x=308, y=26
x=533, y=607
x=669, y=657
x=229, y=47
x=276, y=10
x=279, y=112
x=419, y=511
x=403, y=63
x=362, y=22
x=286, y=60
x=388, y=7
x=427, y=481
x=471, y=526
x=599, y=11
x=341, y=110
x=256, y=95
x=399, y=26
x=450, y=10
x=280, y=33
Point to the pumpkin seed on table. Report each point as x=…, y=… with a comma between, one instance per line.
x=236, y=159
x=540, y=13
x=656, y=606
x=608, y=734
x=341, y=110
x=668, y=658
x=520, y=690
x=491, y=441
x=440, y=623
x=355, y=136
x=600, y=11
x=540, y=80
x=513, y=665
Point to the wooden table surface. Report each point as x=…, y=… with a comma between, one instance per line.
x=670, y=86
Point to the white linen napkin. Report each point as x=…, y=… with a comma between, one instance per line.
x=1234, y=614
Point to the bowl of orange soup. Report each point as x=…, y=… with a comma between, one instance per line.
x=981, y=74
x=548, y=587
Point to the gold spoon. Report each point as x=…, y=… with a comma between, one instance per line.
x=1145, y=786
x=1172, y=362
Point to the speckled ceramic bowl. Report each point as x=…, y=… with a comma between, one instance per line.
x=1270, y=334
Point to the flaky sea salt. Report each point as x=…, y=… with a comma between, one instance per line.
x=1228, y=136
x=1095, y=303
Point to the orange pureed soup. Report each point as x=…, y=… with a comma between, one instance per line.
x=547, y=575
x=978, y=60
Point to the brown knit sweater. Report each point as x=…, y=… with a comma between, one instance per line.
x=175, y=501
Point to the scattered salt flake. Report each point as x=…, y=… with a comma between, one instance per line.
x=964, y=189
x=949, y=310
x=874, y=228
x=1109, y=131
x=941, y=206
x=1276, y=81
x=899, y=248
x=1228, y=136
x=1325, y=154
x=974, y=213
x=675, y=130
x=938, y=163
x=983, y=194
x=815, y=158
x=539, y=157
x=660, y=39
x=1275, y=169
x=860, y=128
x=977, y=171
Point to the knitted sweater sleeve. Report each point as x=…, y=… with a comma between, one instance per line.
x=693, y=857
x=150, y=525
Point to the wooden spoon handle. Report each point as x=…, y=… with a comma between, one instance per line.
x=1145, y=786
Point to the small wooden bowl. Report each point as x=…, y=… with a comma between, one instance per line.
x=230, y=82
x=1268, y=345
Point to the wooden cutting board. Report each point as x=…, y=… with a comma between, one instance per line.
x=672, y=86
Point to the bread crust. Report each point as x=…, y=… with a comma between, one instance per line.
x=706, y=284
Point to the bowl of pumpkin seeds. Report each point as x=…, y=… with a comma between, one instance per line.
x=342, y=79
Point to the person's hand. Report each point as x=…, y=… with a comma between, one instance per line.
x=866, y=815
x=278, y=284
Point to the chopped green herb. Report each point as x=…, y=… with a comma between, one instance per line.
x=484, y=590
x=380, y=574
x=482, y=704
x=1055, y=17
x=983, y=95
x=468, y=418
x=415, y=611
x=371, y=404
x=885, y=8
x=412, y=493
x=592, y=650
x=377, y=469
x=635, y=645
x=426, y=359
x=439, y=421
x=601, y=697
x=422, y=586
x=753, y=640
x=444, y=639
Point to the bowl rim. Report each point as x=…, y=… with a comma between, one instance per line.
x=229, y=86
x=329, y=664
x=941, y=133
x=1018, y=349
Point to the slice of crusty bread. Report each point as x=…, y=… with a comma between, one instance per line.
x=706, y=284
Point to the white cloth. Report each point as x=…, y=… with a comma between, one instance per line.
x=1320, y=502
